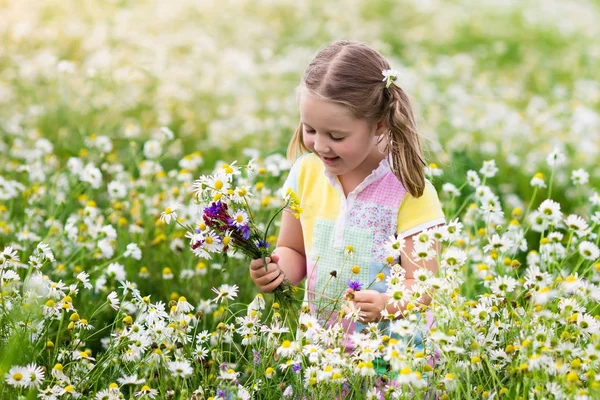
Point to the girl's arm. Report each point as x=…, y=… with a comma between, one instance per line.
x=290, y=249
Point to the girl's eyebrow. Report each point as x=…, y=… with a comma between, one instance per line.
x=328, y=130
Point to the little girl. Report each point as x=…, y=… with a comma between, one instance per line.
x=359, y=175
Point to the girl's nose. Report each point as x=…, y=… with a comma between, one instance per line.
x=321, y=147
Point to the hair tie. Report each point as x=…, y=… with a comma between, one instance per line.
x=390, y=76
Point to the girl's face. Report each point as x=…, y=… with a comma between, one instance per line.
x=344, y=144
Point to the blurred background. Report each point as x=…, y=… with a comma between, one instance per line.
x=503, y=80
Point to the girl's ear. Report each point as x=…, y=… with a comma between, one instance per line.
x=381, y=128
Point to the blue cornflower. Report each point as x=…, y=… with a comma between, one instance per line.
x=354, y=285
x=245, y=229
x=262, y=243
x=214, y=208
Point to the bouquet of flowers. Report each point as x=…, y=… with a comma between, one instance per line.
x=227, y=222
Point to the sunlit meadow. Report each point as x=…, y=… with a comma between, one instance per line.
x=121, y=122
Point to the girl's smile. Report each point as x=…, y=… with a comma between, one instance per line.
x=329, y=160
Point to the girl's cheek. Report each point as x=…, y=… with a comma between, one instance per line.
x=308, y=142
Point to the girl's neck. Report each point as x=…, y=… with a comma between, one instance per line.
x=352, y=179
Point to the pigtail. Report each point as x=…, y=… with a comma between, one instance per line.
x=404, y=144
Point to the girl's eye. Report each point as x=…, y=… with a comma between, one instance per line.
x=309, y=130
x=337, y=139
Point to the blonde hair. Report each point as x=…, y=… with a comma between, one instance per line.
x=349, y=73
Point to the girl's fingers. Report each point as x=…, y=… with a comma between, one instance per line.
x=262, y=272
x=269, y=277
x=273, y=285
x=364, y=307
x=257, y=264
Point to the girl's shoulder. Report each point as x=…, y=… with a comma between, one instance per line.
x=307, y=160
x=418, y=213
x=307, y=164
x=305, y=170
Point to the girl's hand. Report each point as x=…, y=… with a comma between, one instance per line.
x=269, y=279
x=370, y=302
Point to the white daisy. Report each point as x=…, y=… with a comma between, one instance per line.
x=180, y=368
x=498, y=243
x=538, y=181
x=84, y=278
x=481, y=314
x=489, y=169
x=594, y=199
x=257, y=304
x=412, y=378
x=203, y=336
x=454, y=257
x=218, y=183
x=211, y=242
x=152, y=149
x=229, y=169
x=577, y=224
x=503, y=284
x=372, y=394
x=536, y=278
x=134, y=251
x=543, y=295
x=423, y=238
x=454, y=228
x=450, y=189
x=394, y=246
x=113, y=299
x=239, y=218
x=169, y=213
x=439, y=233
x=45, y=251
x=91, y=175
x=200, y=353
x=183, y=305
x=550, y=210
x=556, y=158
x=353, y=313
x=287, y=348
x=398, y=295
x=587, y=323
x=422, y=252
x=130, y=380
x=17, y=376
x=589, y=250
x=538, y=222
x=365, y=368
x=252, y=166
x=422, y=275
x=116, y=190
x=580, y=177
x=241, y=194
x=310, y=376
x=225, y=292
x=9, y=254
x=570, y=306
x=473, y=179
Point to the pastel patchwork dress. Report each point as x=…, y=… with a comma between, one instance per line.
x=378, y=208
